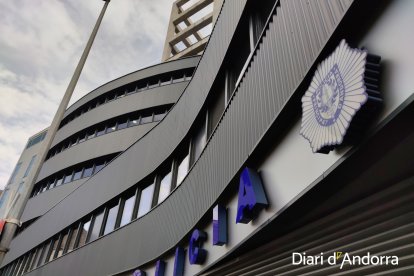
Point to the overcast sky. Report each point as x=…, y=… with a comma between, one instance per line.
x=41, y=42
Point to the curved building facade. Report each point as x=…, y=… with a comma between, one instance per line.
x=217, y=175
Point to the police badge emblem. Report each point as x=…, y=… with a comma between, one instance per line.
x=337, y=91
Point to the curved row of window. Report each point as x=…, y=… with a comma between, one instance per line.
x=129, y=206
x=141, y=198
x=135, y=87
x=150, y=115
x=72, y=174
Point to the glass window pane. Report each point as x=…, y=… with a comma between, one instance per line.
x=44, y=253
x=96, y=229
x=146, y=200
x=72, y=240
x=128, y=209
x=54, y=248
x=59, y=181
x=91, y=134
x=29, y=261
x=123, y=124
x=84, y=233
x=111, y=220
x=99, y=167
x=44, y=188
x=165, y=187
x=183, y=169
x=166, y=82
x=111, y=128
x=175, y=80
x=133, y=122
x=158, y=117
x=68, y=178
x=29, y=168
x=146, y=119
x=199, y=141
x=62, y=244
x=81, y=139
x=152, y=85
x=36, y=258
x=101, y=131
x=88, y=171
x=77, y=175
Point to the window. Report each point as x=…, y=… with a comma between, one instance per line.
x=84, y=232
x=15, y=171
x=120, y=95
x=36, y=258
x=128, y=210
x=182, y=169
x=110, y=98
x=133, y=122
x=111, y=128
x=180, y=79
x=72, y=239
x=29, y=261
x=165, y=187
x=44, y=253
x=62, y=244
x=199, y=141
x=101, y=131
x=145, y=203
x=146, y=119
x=29, y=168
x=53, y=249
x=165, y=82
x=99, y=167
x=122, y=124
x=68, y=178
x=111, y=219
x=97, y=225
x=152, y=85
x=90, y=135
x=158, y=117
x=77, y=175
x=88, y=171
x=59, y=181
x=82, y=138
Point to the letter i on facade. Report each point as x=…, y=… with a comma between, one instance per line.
x=160, y=268
x=179, y=261
x=219, y=225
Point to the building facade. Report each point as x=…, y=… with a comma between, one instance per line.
x=293, y=138
x=18, y=185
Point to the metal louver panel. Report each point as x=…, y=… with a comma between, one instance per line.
x=382, y=224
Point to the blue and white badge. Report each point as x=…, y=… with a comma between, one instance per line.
x=336, y=93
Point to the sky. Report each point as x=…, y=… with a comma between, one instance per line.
x=41, y=42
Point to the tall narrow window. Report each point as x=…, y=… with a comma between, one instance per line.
x=145, y=203
x=128, y=210
x=111, y=219
x=53, y=249
x=84, y=233
x=44, y=253
x=200, y=139
x=96, y=227
x=182, y=169
x=62, y=244
x=72, y=239
x=165, y=187
x=36, y=258
x=15, y=171
x=29, y=168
